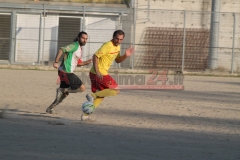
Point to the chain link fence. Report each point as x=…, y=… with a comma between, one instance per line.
x=184, y=40
x=163, y=39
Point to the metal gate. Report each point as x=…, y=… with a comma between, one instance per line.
x=5, y=26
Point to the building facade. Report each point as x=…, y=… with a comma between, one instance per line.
x=166, y=34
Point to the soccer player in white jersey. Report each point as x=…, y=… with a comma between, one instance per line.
x=70, y=83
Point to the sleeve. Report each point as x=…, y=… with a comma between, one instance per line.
x=69, y=48
x=105, y=49
x=79, y=60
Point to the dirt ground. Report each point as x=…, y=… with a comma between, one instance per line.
x=201, y=122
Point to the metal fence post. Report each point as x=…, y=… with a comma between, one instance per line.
x=12, y=37
x=233, y=41
x=44, y=15
x=40, y=39
x=84, y=20
x=84, y=29
x=214, y=32
x=184, y=38
x=134, y=34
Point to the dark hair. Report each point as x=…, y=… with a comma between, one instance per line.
x=119, y=32
x=79, y=35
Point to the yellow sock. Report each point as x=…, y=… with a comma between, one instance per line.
x=105, y=93
x=97, y=101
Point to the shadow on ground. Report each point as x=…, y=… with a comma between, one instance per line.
x=28, y=138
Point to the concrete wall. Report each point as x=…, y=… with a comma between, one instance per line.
x=100, y=29
x=169, y=13
x=27, y=38
x=193, y=5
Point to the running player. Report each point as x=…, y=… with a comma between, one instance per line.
x=102, y=84
x=70, y=83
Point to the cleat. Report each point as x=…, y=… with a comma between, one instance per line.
x=84, y=117
x=61, y=94
x=50, y=109
x=90, y=98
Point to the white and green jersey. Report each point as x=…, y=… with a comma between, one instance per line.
x=72, y=53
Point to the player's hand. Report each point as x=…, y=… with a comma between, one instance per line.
x=90, y=60
x=55, y=65
x=99, y=75
x=129, y=51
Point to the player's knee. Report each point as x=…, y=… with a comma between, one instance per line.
x=117, y=90
x=82, y=88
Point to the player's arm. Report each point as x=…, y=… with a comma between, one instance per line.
x=129, y=51
x=58, y=56
x=62, y=50
x=105, y=49
x=95, y=66
x=84, y=63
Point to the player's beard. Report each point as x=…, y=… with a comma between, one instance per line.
x=82, y=43
x=116, y=44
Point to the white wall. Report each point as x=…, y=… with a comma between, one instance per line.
x=100, y=29
x=27, y=38
x=51, y=37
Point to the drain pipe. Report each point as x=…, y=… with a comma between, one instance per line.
x=214, y=34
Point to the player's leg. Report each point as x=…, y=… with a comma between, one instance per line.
x=97, y=102
x=60, y=95
x=76, y=85
x=106, y=86
x=80, y=89
x=61, y=92
x=94, y=86
x=70, y=83
x=100, y=89
x=103, y=93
